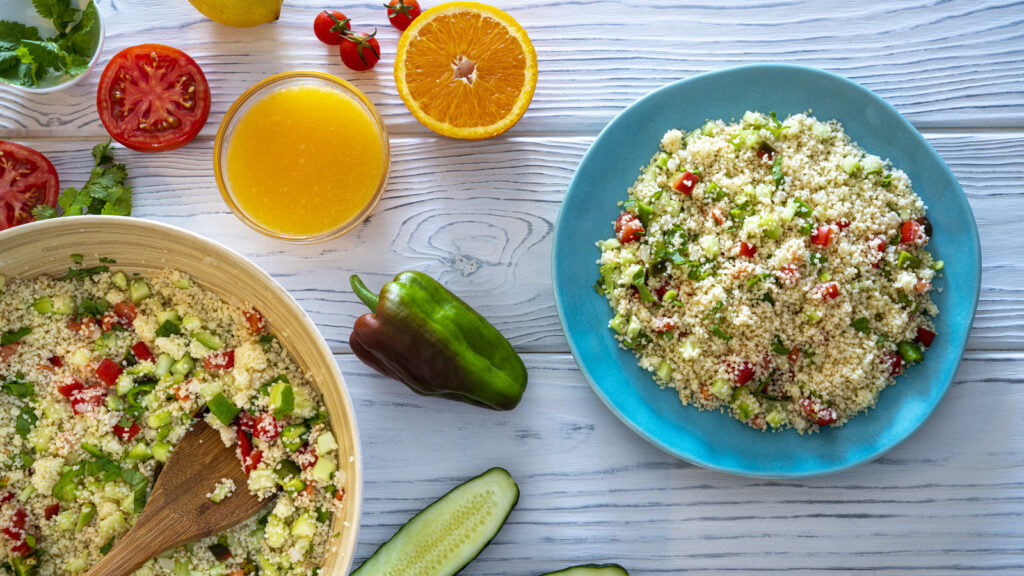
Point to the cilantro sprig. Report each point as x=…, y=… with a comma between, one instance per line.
x=26, y=57
x=104, y=192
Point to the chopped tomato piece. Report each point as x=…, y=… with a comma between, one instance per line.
x=895, y=363
x=255, y=320
x=68, y=389
x=249, y=458
x=742, y=373
x=822, y=235
x=223, y=360
x=664, y=324
x=765, y=152
x=56, y=361
x=266, y=427
x=127, y=433
x=88, y=399
x=794, y=355
x=108, y=371
x=925, y=336
x=685, y=183
x=51, y=510
x=788, y=274
x=85, y=326
x=817, y=412
x=142, y=352
x=628, y=228
x=309, y=490
x=15, y=530
x=245, y=421
x=306, y=457
x=912, y=232
x=828, y=290
x=747, y=250
x=842, y=224
x=126, y=312
x=6, y=497
x=717, y=215
x=340, y=494
x=181, y=392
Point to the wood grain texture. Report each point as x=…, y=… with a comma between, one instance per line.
x=480, y=216
x=941, y=63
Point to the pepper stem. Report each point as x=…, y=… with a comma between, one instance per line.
x=364, y=293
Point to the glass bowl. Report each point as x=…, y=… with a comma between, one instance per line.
x=294, y=171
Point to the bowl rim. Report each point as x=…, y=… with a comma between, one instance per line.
x=641, y=415
x=214, y=249
x=253, y=94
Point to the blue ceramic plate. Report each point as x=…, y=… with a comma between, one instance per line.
x=712, y=439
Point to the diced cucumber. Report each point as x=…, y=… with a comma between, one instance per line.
x=664, y=370
x=168, y=316
x=224, y=409
x=43, y=305
x=120, y=279
x=447, y=535
x=183, y=282
x=191, y=323
x=163, y=365
x=85, y=516
x=125, y=382
x=282, y=399
x=590, y=570
x=138, y=290
x=159, y=419
x=140, y=451
x=305, y=525
x=276, y=533
x=292, y=436
x=211, y=341
x=325, y=443
x=721, y=388
x=161, y=451
x=183, y=366
x=324, y=469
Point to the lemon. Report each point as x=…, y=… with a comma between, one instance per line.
x=239, y=13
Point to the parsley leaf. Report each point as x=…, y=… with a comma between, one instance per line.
x=26, y=57
x=82, y=273
x=12, y=336
x=104, y=192
x=18, y=386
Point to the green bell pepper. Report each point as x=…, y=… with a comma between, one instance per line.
x=427, y=338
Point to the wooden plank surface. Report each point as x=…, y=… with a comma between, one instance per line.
x=480, y=217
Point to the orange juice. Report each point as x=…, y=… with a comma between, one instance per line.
x=305, y=159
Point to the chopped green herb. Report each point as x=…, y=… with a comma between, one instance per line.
x=18, y=386
x=862, y=325
x=12, y=336
x=778, y=347
x=720, y=334
x=777, y=175
x=107, y=260
x=26, y=57
x=103, y=193
x=82, y=273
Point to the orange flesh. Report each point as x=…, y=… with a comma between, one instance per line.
x=303, y=160
x=473, y=46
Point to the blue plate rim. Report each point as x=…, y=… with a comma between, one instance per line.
x=959, y=345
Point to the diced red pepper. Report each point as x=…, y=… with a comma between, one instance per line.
x=127, y=433
x=223, y=360
x=828, y=290
x=266, y=427
x=925, y=336
x=68, y=389
x=255, y=319
x=747, y=250
x=51, y=510
x=822, y=235
x=911, y=232
x=142, y=352
x=817, y=412
x=895, y=363
x=685, y=183
x=88, y=399
x=628, y=228
x=742, y=373
x=108, y=371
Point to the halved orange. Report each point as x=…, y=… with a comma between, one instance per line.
x=466, y=70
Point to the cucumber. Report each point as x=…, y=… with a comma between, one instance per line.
x=591, y=570
x=447, y=535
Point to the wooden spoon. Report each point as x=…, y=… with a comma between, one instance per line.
x=179, y=510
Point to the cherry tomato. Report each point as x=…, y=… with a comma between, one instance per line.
x=27, y=179
x=331, y=26
x=628, y=228
x=153, y=98
x=685, y=182
x=360, y=51
x=401, y=13
x=223, y=360
x=108, y=371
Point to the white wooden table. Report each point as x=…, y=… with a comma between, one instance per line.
x=480, y=217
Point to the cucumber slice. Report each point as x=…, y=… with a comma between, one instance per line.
x=447, y=535
x=591, y=570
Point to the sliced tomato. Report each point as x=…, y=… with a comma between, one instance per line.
x=27, y=179
x=108, y=371
x=153, y=98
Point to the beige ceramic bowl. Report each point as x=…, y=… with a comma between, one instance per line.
x=139, y=245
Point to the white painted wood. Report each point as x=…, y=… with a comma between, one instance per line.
x=480, y=216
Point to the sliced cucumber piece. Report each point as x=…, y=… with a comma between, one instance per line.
x=447, y=535
x=591, y=570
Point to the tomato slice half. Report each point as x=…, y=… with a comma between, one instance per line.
x=153, y=98
x=27, y=179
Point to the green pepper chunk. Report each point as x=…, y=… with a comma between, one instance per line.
x=427, y=338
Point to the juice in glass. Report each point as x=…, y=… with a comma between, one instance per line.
x=304, y=157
